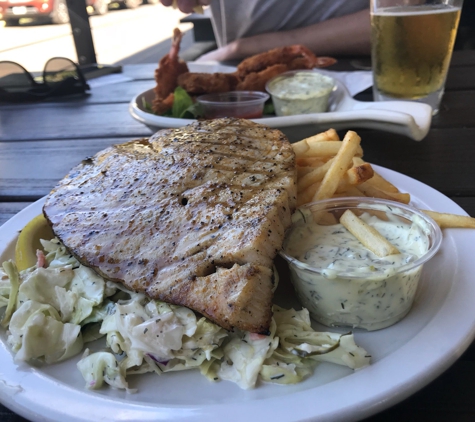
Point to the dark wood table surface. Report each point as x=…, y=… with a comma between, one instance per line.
x=39, y=143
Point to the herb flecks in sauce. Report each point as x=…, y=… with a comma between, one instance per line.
x=300, y=93
x=352, y=286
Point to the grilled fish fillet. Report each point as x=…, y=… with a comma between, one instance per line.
x=192, y=216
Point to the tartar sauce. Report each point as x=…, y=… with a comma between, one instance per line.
x=300, y=92
x=352, y=286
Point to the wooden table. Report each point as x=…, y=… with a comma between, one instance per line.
x=39, y=143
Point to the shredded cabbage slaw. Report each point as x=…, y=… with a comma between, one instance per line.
x=52, y=313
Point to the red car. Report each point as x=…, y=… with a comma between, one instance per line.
x=54, y=10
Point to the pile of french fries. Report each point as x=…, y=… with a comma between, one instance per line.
x=328, y=167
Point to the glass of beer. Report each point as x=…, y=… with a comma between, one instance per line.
x=411, y=47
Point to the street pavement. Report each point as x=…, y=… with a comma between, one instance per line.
x=120, y=37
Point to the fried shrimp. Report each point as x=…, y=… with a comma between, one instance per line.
x=252, y=74
x=255, y=71
x=166, y=75
x=256, y=81
x=293, y=57
x=204, y=83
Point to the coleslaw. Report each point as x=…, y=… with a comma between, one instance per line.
x=55, y=311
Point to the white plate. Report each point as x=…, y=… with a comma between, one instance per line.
x=406, y=118
x=406, y=356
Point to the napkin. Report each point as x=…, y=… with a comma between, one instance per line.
x=356, y=81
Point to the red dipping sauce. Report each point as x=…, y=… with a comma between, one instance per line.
x=241, y=104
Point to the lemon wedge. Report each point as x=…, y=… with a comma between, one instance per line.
x=29, y=241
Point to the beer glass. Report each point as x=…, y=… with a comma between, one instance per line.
x=411, y=47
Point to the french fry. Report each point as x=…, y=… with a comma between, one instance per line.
x=328, y=149
x=325, y=218
x=453, y=221
x=377, y=180
x=306, y=196
x=367, y=235
x=316, y=175
x=302, y=171
x=339, y=166
x=310, y=161
x=381, y=183
x=328, y=167
x=329, y=135
x=359, y=174
x=357, y=161
x=374, y=192
x=342, y=187
x=326, y=162
x=350, y=191
x=300, y=148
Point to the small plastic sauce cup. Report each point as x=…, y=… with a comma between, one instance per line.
x=242, y=104
x=300, y=92
x=334, y=283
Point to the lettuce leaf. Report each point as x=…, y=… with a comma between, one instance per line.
x=183, y=106
x=181, y=102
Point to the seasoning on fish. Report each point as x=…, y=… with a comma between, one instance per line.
x=192, y=216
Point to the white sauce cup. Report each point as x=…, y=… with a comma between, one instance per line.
x=342, y=283
x=300, y=92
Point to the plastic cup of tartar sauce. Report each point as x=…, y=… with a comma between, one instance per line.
x=300, y=92
x=342, y=283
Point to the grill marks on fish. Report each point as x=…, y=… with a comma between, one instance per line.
x=192, y=216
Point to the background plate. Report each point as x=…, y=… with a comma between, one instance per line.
x=407, y=118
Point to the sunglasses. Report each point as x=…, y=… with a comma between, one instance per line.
x=61, y=77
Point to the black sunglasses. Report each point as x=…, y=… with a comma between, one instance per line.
x=61, y=77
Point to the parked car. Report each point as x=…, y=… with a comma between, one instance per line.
x=55, y=11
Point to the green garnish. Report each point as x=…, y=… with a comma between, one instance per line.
x=269, y=108
x=183, y=106
x=181, y=103
x=147, y=106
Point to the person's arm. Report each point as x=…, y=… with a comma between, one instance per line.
x=345, y=35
